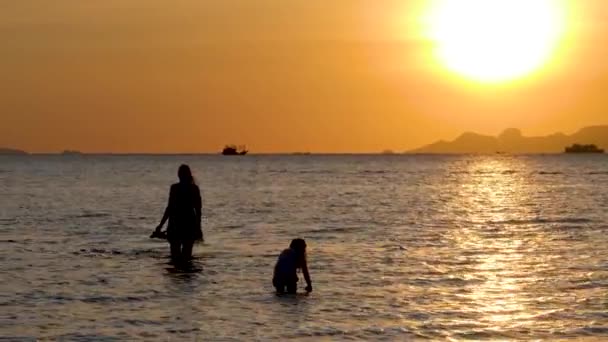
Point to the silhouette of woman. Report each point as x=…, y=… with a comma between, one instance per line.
x=184, y=215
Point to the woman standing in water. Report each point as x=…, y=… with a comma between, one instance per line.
x=184, y=215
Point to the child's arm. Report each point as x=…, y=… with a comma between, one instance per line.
x=307, y=277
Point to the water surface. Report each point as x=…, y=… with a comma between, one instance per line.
x=400, y=247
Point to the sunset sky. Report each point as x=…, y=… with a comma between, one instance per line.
x=276, y=75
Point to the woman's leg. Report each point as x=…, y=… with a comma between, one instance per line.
x=187, y=249
x=176, y=250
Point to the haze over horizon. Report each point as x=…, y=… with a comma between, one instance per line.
x=279, y=76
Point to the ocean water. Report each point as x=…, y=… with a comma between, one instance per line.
x=400, y=248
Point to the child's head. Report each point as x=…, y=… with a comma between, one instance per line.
x=299, y=245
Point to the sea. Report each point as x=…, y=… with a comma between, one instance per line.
x=400, y=248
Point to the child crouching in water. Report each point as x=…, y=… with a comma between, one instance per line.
x=285, y=278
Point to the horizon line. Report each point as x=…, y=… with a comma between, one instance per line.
x=295, y=154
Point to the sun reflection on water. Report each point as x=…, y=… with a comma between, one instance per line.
x=497, y=251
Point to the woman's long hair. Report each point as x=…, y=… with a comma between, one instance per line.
x=185, y=175
x=299, y=245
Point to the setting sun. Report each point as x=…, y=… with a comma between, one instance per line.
x=495, y=40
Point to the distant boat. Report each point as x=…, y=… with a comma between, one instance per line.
x=578, y=148
x=233, y=150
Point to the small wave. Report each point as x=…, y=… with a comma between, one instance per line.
x=374, y=172
x=232, y=226
x=365, y=333
x=116, y=299
x=93, y=215
x=142, y=322
x=598, y=173
x=318, y=172
x=588, y=285
x=488, y=334
x=94, y=252
x=540, y=220
x=495, y=172
x=484, y=172
x=184, y=331
x=255, y=211
x=106, y=253
x=85, y=337
x=278, y=171
x=592, y=331
x=550, y=173
x=140, y=218
x=6, y=222
x=88, y=215
x=343, y=205
x=331, y=230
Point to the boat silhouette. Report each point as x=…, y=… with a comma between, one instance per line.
x=578, y=148
x=233, y=150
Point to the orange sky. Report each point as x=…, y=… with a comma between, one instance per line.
x=279, y=76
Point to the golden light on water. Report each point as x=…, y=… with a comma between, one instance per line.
x=502, y=249
x=494, y=41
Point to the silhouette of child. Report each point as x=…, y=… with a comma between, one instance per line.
x=285, y=278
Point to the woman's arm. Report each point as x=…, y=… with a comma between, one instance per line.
x=198, y=211
x=167, y=211
x=198, y=205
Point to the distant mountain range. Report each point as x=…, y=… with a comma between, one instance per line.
x=512, y=141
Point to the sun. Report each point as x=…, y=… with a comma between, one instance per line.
x=495, y=40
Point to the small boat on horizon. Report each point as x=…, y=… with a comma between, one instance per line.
x=233, y=150
x=578, y=148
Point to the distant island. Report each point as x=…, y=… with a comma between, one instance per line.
x=577, y=148
x=12, y=152
x=512, y=141
x=233, y=150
